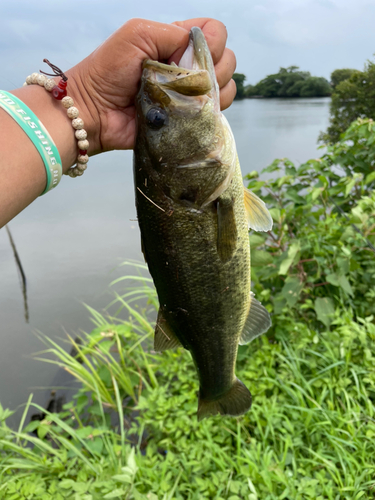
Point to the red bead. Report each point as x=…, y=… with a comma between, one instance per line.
x=82, y=151
x=59, y=90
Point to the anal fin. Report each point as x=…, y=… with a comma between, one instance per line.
x=226, y=228
x=236, y=401
x=258, y=216
x=165, y=338
x=258, y=321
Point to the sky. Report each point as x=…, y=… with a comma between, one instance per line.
x=317, y=35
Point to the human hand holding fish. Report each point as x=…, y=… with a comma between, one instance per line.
x=103, y=87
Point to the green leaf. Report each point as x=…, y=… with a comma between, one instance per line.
x=131, y=463
x=95, y=446
x=123, y=478
x=341, y=281
x=291, y=290
x=260, y=258
x=325, y=310
x=333, y=279
x=279, y=302
x=292, y=252
x=316, y=192
x=43, y=430
x=119, y=492
x=370, y=178
x=275, y=214
x=345, y=285
x=256, y=240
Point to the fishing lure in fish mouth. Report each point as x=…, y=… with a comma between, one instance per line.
x=194, y=215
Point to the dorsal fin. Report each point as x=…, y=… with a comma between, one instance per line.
x=258, y=321
x=258, y=216
x=165, y=337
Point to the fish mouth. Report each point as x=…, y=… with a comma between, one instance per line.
x=193, y=76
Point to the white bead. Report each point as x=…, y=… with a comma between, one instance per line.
x=49, y=84
x=28, y=80
x=80, y=134
x=78, y=123
x=77, y=172
x=67, y=102
x=24, y=84
x=72, y=112
x=34, y=78
x=82, y=158
x=83, y=144
x=81, y=166
x=41, y=79
x=71, y=172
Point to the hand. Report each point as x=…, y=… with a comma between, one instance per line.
x=105, y=84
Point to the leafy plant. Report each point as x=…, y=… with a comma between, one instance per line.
x=352, y=98
x=320, y=255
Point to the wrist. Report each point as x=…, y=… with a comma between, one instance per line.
x=80, y=90
x=53, y=116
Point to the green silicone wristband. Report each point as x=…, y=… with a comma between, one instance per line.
x=38, y=134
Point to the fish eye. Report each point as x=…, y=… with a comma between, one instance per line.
x=156, y=117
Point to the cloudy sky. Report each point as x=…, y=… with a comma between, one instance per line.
x=317, y=35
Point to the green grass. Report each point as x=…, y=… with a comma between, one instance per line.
x=131, y=430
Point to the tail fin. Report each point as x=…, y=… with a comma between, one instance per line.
x=234, y=402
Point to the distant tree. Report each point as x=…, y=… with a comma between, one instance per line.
x=291, y=77
x=239, y=78
x=351, y=99
x=290, y=82
x=269, y=86
x=315, y=86
x=295, y=89
x=250, y=91
x=339, y=75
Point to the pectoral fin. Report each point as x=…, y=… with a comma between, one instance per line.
x=258, y=217
x=258, y=321
x=226, y=228
x=165, y=337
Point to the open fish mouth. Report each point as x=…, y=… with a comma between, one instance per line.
x=193, y=76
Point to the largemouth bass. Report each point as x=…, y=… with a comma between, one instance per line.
x=194, y=214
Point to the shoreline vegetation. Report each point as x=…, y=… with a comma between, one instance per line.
x=131, y=432
x=291, y=82
x=352, y=94
x=288, y=82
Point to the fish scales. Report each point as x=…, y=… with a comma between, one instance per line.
x=203, y=300
x=194, y=227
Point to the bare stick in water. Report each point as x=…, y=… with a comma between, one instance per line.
x=22, y=274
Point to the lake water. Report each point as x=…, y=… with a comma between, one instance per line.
x=72, y=241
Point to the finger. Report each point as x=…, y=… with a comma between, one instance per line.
x=214, y=31
x=156, y=40
x=225, y=68
x=227, y=94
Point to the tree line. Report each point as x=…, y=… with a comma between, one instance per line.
x=352, y=92
x=288, y=82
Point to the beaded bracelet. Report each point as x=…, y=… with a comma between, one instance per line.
x=59, y=92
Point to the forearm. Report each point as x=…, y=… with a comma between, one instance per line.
x=22, y=171
x=103, y=87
